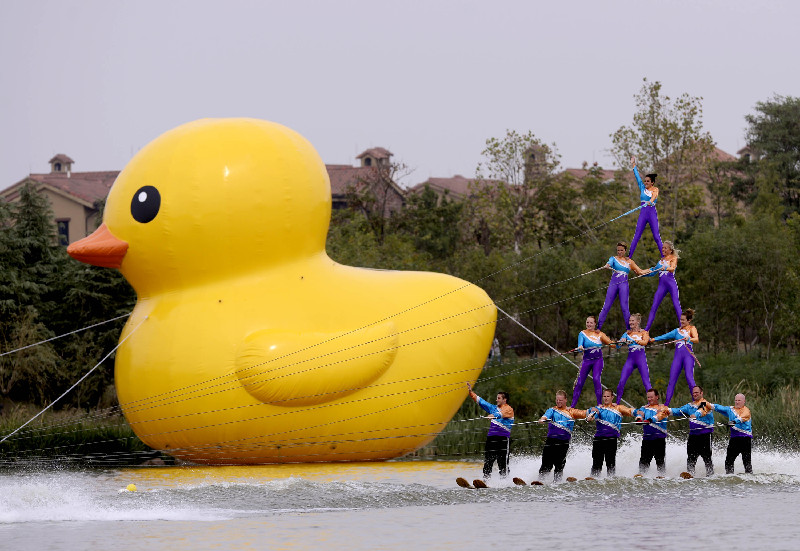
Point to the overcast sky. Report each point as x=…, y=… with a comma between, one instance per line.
x=430, y=80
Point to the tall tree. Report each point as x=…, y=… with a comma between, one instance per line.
x=377, y=196
x=773, y=135
x=667, y=136
x=515, y=169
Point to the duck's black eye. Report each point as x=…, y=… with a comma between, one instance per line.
x=145, y=204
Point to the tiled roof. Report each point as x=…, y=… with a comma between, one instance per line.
x=342, y=176
x=86, y=186
x=457, y=185
x=581, y=173
x=720, y=155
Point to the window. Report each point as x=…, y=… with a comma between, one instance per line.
x=63, y=232
x=58, y=167
x=367, y=161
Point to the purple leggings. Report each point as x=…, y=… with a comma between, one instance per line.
x=591, y=360
x=637, y=359
x=683, y=361
x=647, y=215
x=619, y=284
x=666, y=284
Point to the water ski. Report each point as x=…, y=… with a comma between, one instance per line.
x=686, y=475
x=537, y=483
x=571, y=479
x=661, y=477
x=464, y=484
x=519, y=482
x=478, y=483
x=637, y=476
x=590, y=478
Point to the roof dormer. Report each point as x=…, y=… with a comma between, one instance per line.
x=61, y=164
x=376, y=156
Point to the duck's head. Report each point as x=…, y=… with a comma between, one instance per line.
x=211, y=199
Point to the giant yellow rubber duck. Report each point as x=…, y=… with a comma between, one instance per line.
x=248, y=344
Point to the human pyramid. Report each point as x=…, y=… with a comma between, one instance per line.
x=608, y=411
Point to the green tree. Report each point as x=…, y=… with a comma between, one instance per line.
x=773, y=135
x=432, y=222
x=667, y=136
x=516, y=170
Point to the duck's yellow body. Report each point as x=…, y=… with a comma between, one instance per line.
x=248, y=344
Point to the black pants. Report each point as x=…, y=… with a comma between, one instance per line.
x=739, y=445
x=497, y=448
x=554, y=454
x=699, y=445
x=655, y=448
x=604, y=448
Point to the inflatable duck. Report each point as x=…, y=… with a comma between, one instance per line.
x=248, y=344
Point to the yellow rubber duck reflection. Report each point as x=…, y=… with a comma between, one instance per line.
x=248, y=344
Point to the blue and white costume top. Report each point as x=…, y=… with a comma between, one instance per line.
x=655, y=428
x=592, y=345
x=620, y=268
x=634, y=342
x=501, y=426
x=645, y=196
x=703, y=423
x=609, y=419
x=562, y=421
x=682, y=336
x=742, y=424
x=661, y=269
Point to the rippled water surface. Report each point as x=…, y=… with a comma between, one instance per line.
x=402, y=504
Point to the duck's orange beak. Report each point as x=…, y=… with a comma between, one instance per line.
x=99, y=249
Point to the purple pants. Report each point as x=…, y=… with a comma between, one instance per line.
x=637, y=359
x=666, y=284
x=618, y=285
x=592, y=360
x=683, y=361
x=647, y=215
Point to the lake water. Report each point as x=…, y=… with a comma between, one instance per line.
x=404, y=504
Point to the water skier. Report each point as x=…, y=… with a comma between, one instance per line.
x=666, y=283
x=621, y=265
x=741, y=439
x=701, y=428
x=559, y=433
x=648, y=195
x=654, y=433
x=684, y=359
x=608, y=417
x=636, y=339
x=498, y=439
x=591, y=342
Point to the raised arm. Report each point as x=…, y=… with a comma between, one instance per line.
x=638, y=179
x=604, y=338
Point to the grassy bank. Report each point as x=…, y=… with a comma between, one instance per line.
x=70, y=437
x=772, y=388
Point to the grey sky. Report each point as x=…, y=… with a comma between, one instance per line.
x=430, y=80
